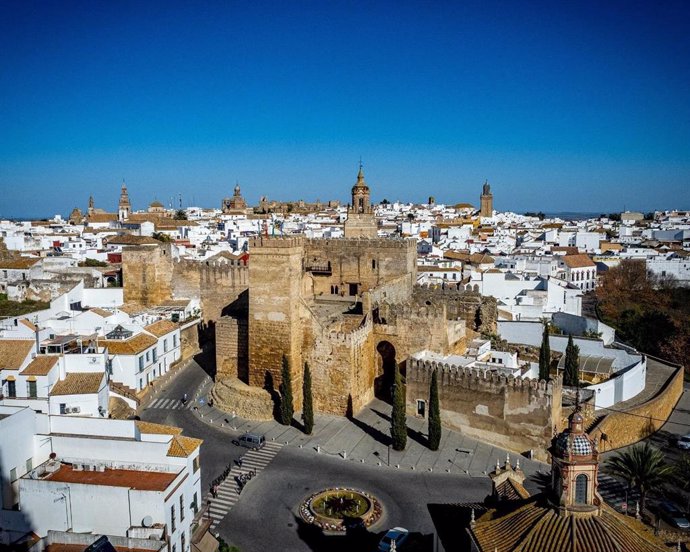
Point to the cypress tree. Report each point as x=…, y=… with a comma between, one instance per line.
x=572, y=364
x=286, y=408
x=545, y=354
x=398, y=419
x=434, y=414
x=308, y=403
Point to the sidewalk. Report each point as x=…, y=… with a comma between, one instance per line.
x=364, y=439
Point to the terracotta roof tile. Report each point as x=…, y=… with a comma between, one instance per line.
x=101, y=217
x=132, y=346
x=157, y=429
x=78, y=383
x=19, y=263
x=28, y=324
x=578, y=261
x=101, y=312
x=13, y=352
x=181, y=446
x=40, y=366
x=131, y=239
x=161, y=328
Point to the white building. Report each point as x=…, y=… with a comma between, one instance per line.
x=99, y=476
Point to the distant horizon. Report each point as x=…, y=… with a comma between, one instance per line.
x=561, y=106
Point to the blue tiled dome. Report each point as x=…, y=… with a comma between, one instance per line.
x=576, y=444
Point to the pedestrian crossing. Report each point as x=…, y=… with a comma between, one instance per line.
x=171, y=404
x=229, y=490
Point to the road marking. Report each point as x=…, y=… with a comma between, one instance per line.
x=228, y=490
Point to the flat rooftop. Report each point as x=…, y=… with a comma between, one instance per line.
x=139, y=480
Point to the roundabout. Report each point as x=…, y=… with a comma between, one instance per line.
x=340, y=509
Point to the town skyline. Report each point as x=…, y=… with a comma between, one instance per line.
x=560, y=107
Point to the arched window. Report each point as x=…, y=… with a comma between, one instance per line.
x=581, y=489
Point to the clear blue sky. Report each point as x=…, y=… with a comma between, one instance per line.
x=563, y=106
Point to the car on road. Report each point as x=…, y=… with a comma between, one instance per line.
x=251, y=441
x=673, y=515
x=397, y=534
x=683, y=443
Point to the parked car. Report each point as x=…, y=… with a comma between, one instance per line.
x=683, y=443
x=250, y=440
x=673, y=515
x=397, y=534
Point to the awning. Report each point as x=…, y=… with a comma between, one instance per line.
x=10, y=378
x=31, y=378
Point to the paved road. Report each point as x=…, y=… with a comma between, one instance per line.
x=262, y=517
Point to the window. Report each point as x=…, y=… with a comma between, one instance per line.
x=141, y=363
x=581, y=489
x=172, y=518
x=165, y=345
x=195, y=504
x=31, y=389
x=155, y=355
x=148, y=356
x=13, y=474
x=421, y=408
x=29, y=464
x=182, y=511
x=141, y=383
x=373, y=264
x=63, y=406
x=182, y=542
x=11, y=389
x=174, y=341
x=196, y=464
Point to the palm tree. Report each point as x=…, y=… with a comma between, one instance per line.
x=642, y=467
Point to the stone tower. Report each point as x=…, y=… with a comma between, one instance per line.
x=361, y=222
x=92, y=206
x=275, y=273
x=147, y=272
x=124, y=207
x=486, y=201
x=575, y=466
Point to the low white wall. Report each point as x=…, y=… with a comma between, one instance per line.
x=578, y=325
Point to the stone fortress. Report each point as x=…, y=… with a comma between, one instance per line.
x=349, y=307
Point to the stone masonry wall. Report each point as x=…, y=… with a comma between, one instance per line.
x=365, y=262
x=509, y=412
x=147, y=274
x=632, y=425
x=275, y=306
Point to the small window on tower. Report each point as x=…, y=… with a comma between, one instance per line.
x=373, y=264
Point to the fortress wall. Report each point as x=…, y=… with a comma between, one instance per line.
x=275, y=272
x=363, y=261
x=515, y=413
x=147, y=274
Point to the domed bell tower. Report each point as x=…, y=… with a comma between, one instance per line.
x=575, y=467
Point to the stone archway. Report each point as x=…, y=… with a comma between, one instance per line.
x=383, y=384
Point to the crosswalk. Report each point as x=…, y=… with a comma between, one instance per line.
x=229, y=491
x=171, y=404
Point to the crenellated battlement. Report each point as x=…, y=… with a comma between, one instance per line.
x=358, y=336
x=279, y=242
x=413, y=310
x=454, y=375
x=381, y=243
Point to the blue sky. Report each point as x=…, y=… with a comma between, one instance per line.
x=577, y=106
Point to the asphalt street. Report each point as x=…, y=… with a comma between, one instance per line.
x=265, y=514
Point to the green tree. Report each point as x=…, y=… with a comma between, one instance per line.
x=161, y=237
x=398, y=419
x=308, y=402
x=434, y=413
x=180, y=214
x=682, y=476
x=642, y=467
x=286, y=407
x=545, y=354
x=572, y=363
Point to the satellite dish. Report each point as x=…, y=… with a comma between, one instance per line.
x=147, y=521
